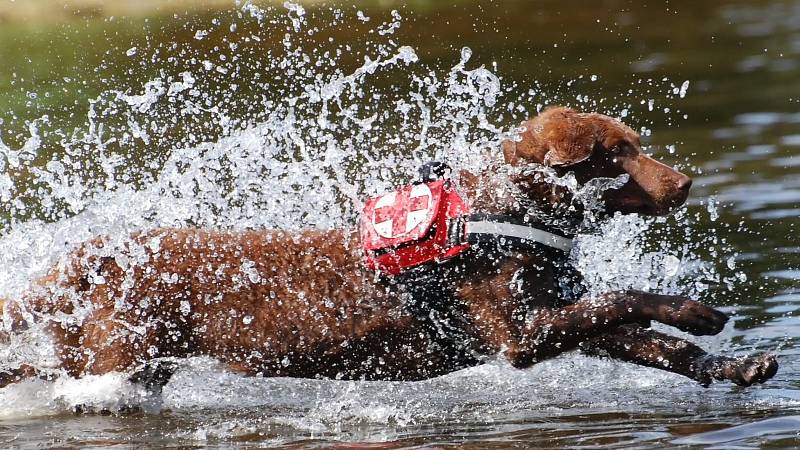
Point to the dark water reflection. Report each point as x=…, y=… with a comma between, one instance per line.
x=740, y=140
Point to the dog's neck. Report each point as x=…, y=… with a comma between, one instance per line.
x=536, y=202
x=527, y=198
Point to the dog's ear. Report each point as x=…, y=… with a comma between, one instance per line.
x=557, y=137
x=529, y=148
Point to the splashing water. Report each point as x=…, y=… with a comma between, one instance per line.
x=171, y=153
x=324, y=124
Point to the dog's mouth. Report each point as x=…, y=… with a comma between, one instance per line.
x=632, y=199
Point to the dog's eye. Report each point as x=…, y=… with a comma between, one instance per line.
x=615, y=149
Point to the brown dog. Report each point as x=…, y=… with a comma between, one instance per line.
x=305, y=305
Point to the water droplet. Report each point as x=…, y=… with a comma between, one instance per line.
x=684, y=89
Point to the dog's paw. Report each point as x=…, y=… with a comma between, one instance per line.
x=686, y=315
x=751, y=370
x=741, y=371
x=699, y=319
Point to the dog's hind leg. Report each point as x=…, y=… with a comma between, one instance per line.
x=653, y=349
x=154, y=375
x=11, y=376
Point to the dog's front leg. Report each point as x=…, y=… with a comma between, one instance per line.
x=653, y=349
x=549, y=332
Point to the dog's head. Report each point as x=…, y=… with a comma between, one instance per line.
x=594, y=145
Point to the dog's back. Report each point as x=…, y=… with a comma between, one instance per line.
x=275, y=303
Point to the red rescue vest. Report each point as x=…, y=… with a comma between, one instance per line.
x=409, y=227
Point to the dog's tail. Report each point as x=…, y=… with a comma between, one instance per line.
x=11, y=320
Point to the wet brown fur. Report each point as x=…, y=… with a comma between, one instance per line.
x=303, y=304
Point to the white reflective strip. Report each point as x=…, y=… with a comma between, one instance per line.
x=521, y=232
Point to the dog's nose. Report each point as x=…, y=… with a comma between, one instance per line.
x=684, y=183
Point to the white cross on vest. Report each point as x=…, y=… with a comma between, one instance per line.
x=397, y=213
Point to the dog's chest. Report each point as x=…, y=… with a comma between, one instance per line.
x=451, y=299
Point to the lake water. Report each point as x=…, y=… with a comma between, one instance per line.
x=240, y=119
